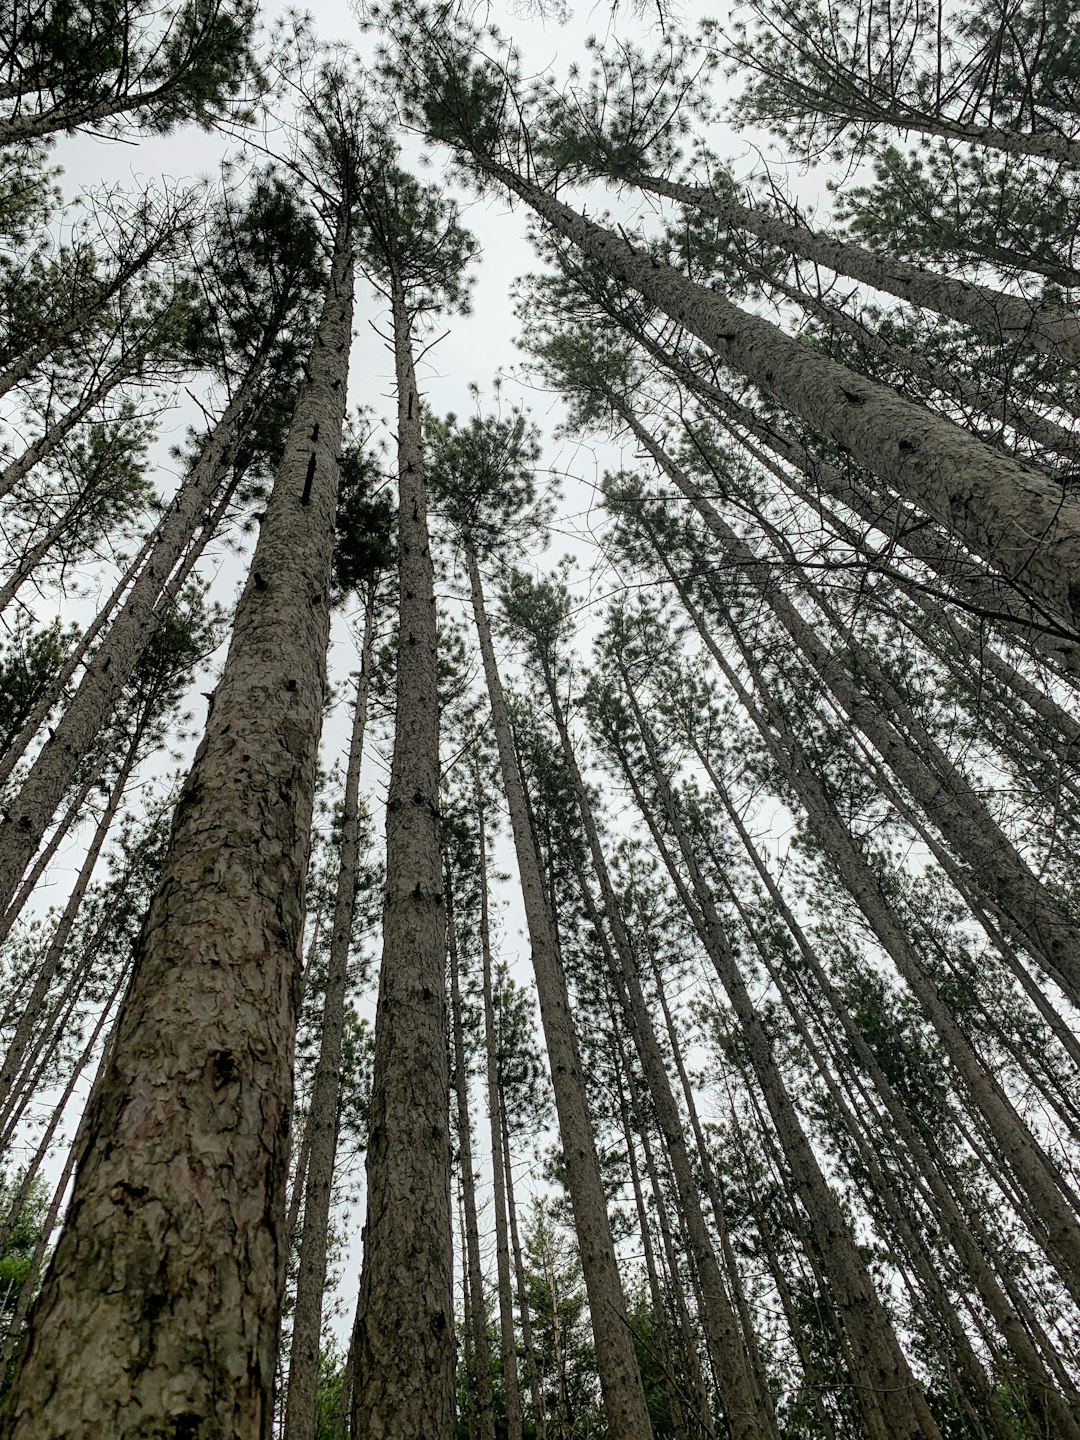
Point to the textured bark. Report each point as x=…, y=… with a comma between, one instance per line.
x=747, y=1415
x=507, y=1338
x=404, y=1337
x=620, y=1380
x=970, y=584
x=160, y=1311
x=321, y=1125
x=1005, y=511
x=991, y=401
x=113, y=663
x=891, y=1403
x=1048, y=328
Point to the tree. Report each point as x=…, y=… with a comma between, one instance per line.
x=165, y=1215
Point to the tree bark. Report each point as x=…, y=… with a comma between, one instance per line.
x=1045, y=327
x=508, y=1340
x=404, y=1337
x=485, y=1401
x=161, y=1306
x=891, y=1403
x=747, y=1415
x=115, y=660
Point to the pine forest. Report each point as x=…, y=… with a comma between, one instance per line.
x=539, y=720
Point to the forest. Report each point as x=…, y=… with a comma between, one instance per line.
x=539, y=720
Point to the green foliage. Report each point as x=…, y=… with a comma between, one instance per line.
x=28, y=661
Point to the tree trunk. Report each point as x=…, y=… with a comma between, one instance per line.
x=321, y=1128
x=881, y=1367
x=1005, y=511
x=31, y=1016
x=404, y=1338
x=1035, y=1174
x=485, y=1402
x=115, y=660
x=747, y=1415
x=1045, y=327
x=508, y=1340
x=620, y=1380
x=539, y=1416
x=160, y=1310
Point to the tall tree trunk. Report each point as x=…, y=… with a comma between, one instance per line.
x=160, y=1310
x=1029, y=910
x=508, y=1340
x=485, y=1401
x=881, y=1367
x=1056, y=1229
x=1005, y=511
x=1040, y=325
x=31, y=1016
x=404, y=1338
x=321, y=1127
x=539, y=1415
x=747, y=1413
x=115, y=660
x=620, y=1380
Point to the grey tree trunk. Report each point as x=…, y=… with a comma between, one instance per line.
x=539, y=1415
x=160, y=1311
x=508, y=1340
x=1031, y=913
x=321, y=1127
x=1005, y=511
x=404, y=1336
x=1056, y=1228
x=31, y=1017
x=620, y=1380
x=1045, y=327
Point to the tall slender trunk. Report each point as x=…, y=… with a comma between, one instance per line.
x=404, y=1337
x=508, y=1340
x=881, y=1367
x=620, y=1380
x=115, y=659
x=485, y=1402
x=161, y=1307
x=1005, y=511
x=539, y=1415
x=1043, y=326
x=747, y=1413
x=321, y=1127
x=994, y=402
x=74, y=658
x=1027, y=908
x=31, y=1016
